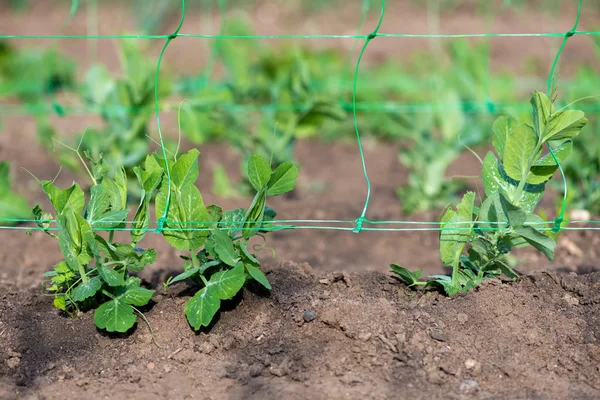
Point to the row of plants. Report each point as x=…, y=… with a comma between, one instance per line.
x=266, y=98
x=99, y=273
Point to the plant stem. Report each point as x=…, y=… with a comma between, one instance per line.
x=82, y=273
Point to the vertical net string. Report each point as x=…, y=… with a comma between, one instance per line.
x=361, y=219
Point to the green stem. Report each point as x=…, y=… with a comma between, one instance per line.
x=111, y=236
x=82, y=273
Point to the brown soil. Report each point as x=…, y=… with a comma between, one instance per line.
x=538, y=338
x=371, y=338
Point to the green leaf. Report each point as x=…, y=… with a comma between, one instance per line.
x=110, y=276
x=137, y=296
x=543, y=243
x=226, y=284
x=495, y=179
x=249, y=258
x=114, y=316
x=411, y=278
x=545, y=167
x=12, y=206
x=506, y=270
x=258, y=275
x=542, y=110
x=193, y=271
x=521, y=143
x=255, y=214
x=283, y=179
x=99, y=202
x=60, y=302
x=259, y=172
x=62, y=198
x=502, y=127
x=456, y=230
x=110, y=219
x=185, y=170
x=453, y=237
x=87, y=289
x=565, y=125
x=232, y=221
x=224, y=248
x=71, y=230
x=201, y=308
x=185, y=214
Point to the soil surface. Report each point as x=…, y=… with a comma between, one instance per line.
x=320, y=336
x=337, y=325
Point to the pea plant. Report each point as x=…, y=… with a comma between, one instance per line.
x=125, y=104
x=98, y=272
x=267, y=100
x=215, y=241
x=13, y=206
x=514, y=180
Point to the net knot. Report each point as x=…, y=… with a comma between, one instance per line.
x=160, y=225
x=570, y=33
x=557, y=222
x=491, y=107
x=172, y=36
x=359, y=224
x=371, y=36
x=58, y=109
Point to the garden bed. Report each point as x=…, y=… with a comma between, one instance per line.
x=320, y=336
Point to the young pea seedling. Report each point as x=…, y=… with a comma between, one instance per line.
x=514, y=180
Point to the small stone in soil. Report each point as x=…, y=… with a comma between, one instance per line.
x=256, y=369
x=462, y=318
x=439, y=335
x=467, y=386
x=309, y=315
x=151, y=365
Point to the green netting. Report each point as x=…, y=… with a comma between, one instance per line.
x=361, y=223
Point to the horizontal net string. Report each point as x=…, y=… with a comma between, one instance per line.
x=295, y=227
x=383, y=107
x=315, y=221
x=316, y=36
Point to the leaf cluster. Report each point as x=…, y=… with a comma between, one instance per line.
x=109, y=285
x=217, y=241
x=514, y=179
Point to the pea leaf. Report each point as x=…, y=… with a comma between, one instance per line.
x=543, y=243
x=542, y=110
x=185, y=170
x=456, y=230
x=99, y=202
x=258, y=275
x=137, y=296
x=111, y=219
x=87, y=289
x=521, y=143
x=545, y=167
x=565, y=125
x=12, y=206
x=502, y=127
x=63, y=198
x=114, y=316
x=283, y=179
x=193, y=271
x=232, y=221
x=186, y=210
x=255, y=214
x=201, y=308
x=110, y=276
x=224, y=248
x=259, y=172
x=411, y=278
x=226, y=284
